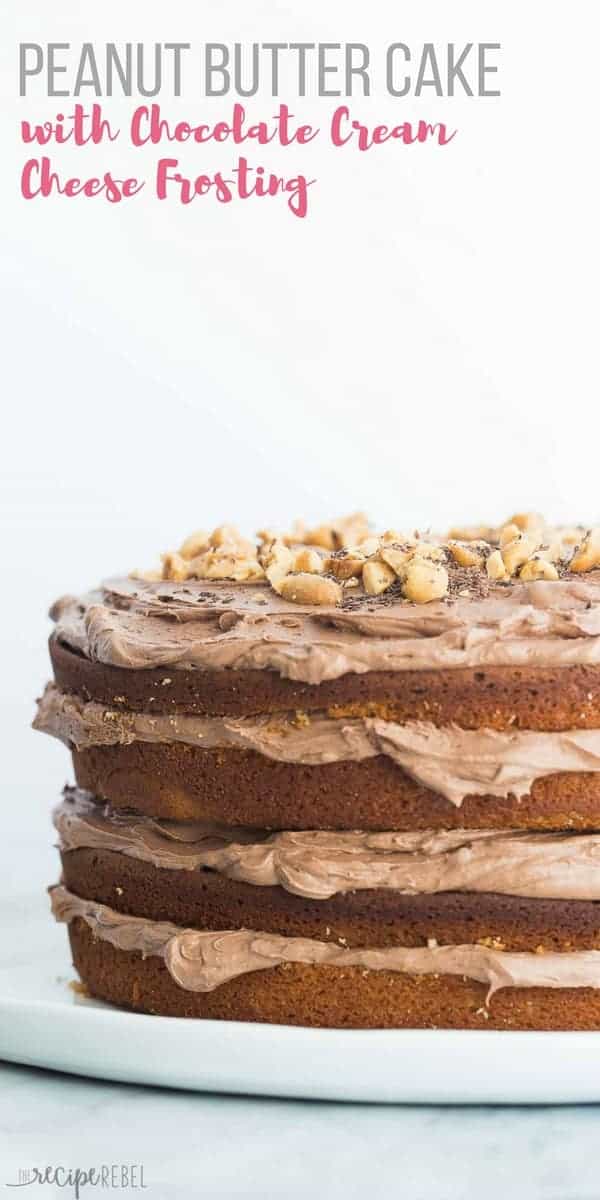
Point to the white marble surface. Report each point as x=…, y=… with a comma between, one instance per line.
x=217, y=1146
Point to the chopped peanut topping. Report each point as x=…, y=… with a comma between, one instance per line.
x=194, y=545
x=217, y=565
x=466, y=555
x=538, y=568
x=310, y=561
x=346, y=565
x=175, y=567
x=377, y=577
x=397, y=557
x=425, y=581
x=587, y=554
x=529, y=522
x=337, y=535
x=367, y=548
x=309, y=589
x=342, y=558
x=427, y=550
x=518, y=550
x=495, y=567
x=508, y=533
x=228, y=535
x=276, y=559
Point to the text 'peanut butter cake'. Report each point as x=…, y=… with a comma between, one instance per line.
x=337, y=778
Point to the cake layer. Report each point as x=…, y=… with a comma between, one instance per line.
x=213, y=963
x=325, y=996
x=242, y=787
x=205, y=899
x=332, y=681
x=506, y=697
x=318, y=865
x=451, y=761
x=201, y=960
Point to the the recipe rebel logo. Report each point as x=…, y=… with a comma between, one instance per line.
x=90, y=77
x=109, y=1176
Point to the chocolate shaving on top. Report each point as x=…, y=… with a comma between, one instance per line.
x=344, y=564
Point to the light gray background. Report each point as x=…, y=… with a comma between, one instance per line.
x=423, y=345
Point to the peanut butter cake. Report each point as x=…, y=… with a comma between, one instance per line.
x=337, y=778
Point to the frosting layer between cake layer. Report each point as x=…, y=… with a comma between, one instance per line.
x=203, y=960
x=451, y=761
x=318, y=864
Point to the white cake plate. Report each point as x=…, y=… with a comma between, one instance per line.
x=44, y=1023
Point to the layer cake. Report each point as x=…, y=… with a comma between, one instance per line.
x=337, y=778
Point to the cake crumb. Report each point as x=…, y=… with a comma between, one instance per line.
x=79, y=988
x=492, y=943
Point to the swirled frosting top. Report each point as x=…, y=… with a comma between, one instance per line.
x=201, y=624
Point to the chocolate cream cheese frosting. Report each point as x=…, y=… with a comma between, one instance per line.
x=201, y=961
x=453, y=762
x=202, y=624
x=318, y=864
